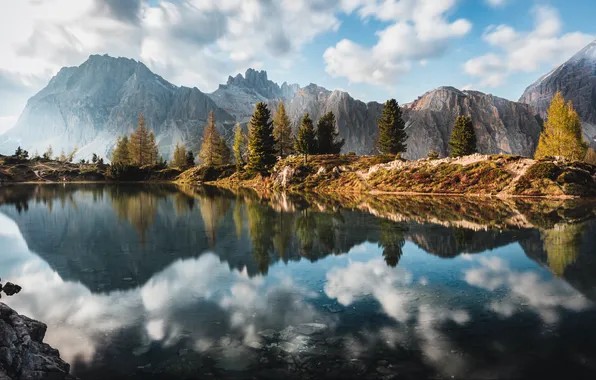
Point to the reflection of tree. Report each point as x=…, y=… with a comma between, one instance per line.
x=213, y=210
x=183, y=203
x=305, y=227
x=562, y=245
x=392, y=241
x=238, y=217
x=260, y=228
x=138, y=207
x=284, y=233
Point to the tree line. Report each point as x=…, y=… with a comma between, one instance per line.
x=271, y=137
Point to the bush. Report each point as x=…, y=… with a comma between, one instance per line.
x=124, y=172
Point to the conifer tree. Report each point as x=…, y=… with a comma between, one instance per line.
x=305, y=142
x=48, y=153
x=261, y=143
x=211, y=148
x=179, y=160
x=463, y=137
x=562, y=133
x=141, y=145
x=392, y=129
x=62, y=157
x=239, y=147
x=591, y=156
x=224, y=152
x=190, y=159
x=154, y=156
x=120, y=154
x=282, y=131
x=327, y=135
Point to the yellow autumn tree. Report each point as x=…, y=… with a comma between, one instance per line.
x=562, y=133
x=142, y=146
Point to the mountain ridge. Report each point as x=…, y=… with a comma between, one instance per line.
x=90, y=105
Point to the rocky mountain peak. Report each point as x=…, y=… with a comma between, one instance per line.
x=576, y=80
x=587, y=53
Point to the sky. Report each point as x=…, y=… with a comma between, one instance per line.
x=373, y=49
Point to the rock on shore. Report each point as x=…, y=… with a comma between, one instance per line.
x=23, y=355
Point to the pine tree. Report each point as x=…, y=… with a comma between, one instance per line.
x=18, y=152
x=328, y=136
x=95, y=158
x=224, y=152
x=120, y=154
x=62, y=157
x=141, y=146
x=190, y=159
x=463, y=137
x=239, y=147
x=48, y=153
x=591, y=156
x=154, y=157
x=305, y=142
x=179, y=160
x=211, y=149
x=562, y=133
x=282, y=131
x=70, y=156
x=392, y=129
x=261, y=143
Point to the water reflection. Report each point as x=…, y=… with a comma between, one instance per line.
x=198, y=282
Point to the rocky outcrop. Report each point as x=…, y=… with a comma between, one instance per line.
x=576, y=79
x=23, y=355
x=501, y=126
x=90, y=105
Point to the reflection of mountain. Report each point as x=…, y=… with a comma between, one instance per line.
x=115, y=237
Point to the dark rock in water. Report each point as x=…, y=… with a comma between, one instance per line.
x=10, y=289
x=23, y=355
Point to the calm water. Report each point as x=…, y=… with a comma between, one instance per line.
x=164, y=282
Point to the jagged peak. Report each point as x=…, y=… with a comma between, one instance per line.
x=588, y=53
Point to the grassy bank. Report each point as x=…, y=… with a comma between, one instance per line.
x=487, y=175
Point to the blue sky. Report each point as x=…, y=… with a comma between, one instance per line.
x=447, y=69
x=374, y=49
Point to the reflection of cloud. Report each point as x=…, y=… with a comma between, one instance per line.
x=373, y=277
x=198, y=299
x=525, y=289
x=393, y=289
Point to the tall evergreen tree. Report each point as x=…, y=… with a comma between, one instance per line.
x=463, y=137
x=239, y=147
x=179, y=160
x=591, y=156
x=211, y=148
x=305, y=142
x=120, y=154
x=141, y=145
x=224, y=152
x=49, y=153
x=190, y=159
x=327, y=135
x=154, y=156
x=282, y=131
x=261, y=143
x=562, y=133
x=392, y=129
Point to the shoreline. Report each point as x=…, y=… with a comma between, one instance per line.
x=485, y=176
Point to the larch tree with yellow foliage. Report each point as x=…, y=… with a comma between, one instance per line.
x=562, y=133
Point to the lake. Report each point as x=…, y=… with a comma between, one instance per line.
x=160, y=281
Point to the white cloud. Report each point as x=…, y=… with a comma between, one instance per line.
x=420, y=30
x=496, y=3
x=189, y=42
x=525, y=51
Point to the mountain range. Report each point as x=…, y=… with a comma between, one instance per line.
x=90, y=105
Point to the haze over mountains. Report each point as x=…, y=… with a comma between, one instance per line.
x=89, y=106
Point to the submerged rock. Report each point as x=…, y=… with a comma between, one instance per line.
x=23, y=355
